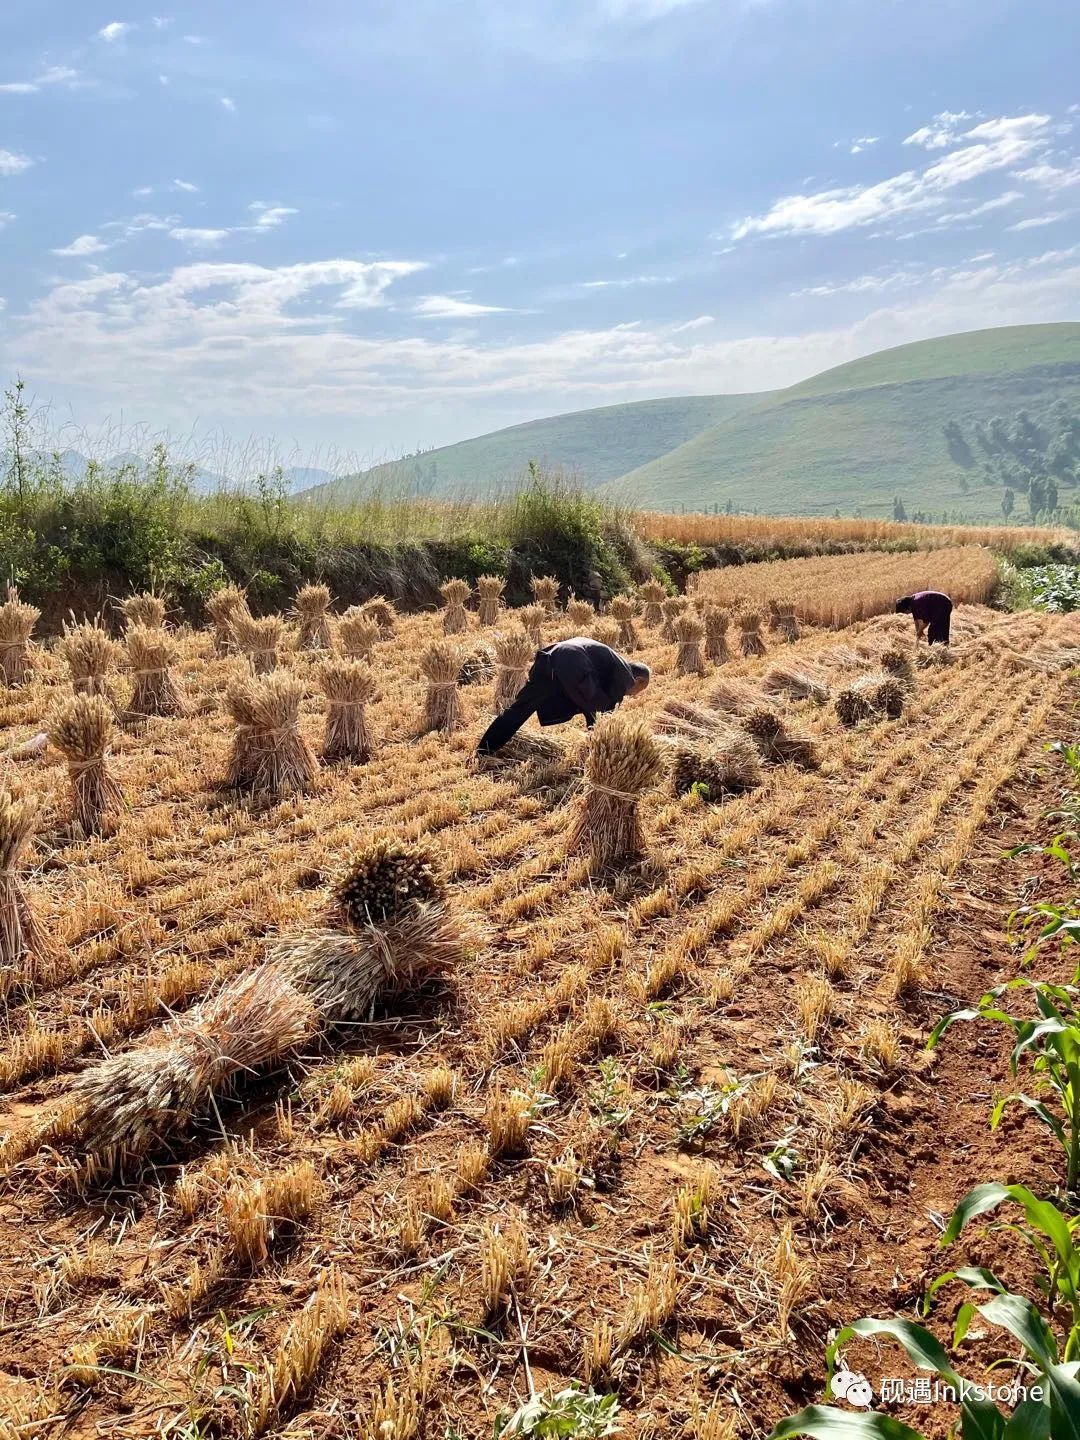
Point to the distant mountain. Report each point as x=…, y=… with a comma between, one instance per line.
x=863, y=433
x=597, y=445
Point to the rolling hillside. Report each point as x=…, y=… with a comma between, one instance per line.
x=853, y=437
x=597, y=445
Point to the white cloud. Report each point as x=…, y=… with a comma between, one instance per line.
x=142, y=191
x=162, y=22
x=227, y=103
x=628, y=282
x=18, y=87
x=942, y=132
x=699, y=323
x=115, y=30
x=194, y=39
x=997, y=144
x=197, y=236
x=858, y=145
x=12, y=163
x=449, y=307
x=638, y=11
x=82, y=246
x=1052, y=177
x=187, y=186
x=998, y=202
x=6, y=217
x=269, y=216
x=1035, y=222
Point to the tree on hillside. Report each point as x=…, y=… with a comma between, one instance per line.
x=964, y=487
x=1051, y=493
x=1008, y=500
x=898, y=511
x=958, y=447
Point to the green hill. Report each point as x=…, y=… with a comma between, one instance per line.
x=598, y=445
x=855, y=436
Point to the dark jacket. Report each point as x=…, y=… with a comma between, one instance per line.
x=578, y=677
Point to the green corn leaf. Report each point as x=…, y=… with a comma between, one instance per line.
x=823, y=1422
x=1020, y=1317
x=1029, y=1421
x=1048, y=1118
x=1064, y=1387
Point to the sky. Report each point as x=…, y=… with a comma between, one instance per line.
x=357, y=229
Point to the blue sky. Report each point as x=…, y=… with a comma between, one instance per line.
x=363, y=228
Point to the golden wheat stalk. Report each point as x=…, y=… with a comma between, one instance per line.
x=514, y=652
x=269, y=755
x=456, y=594
x=23, y=945
x=381, y=612
x=798, y=683
x=652, y=595
x=81, y=729
x=441, y=665
x=349, y=687
x=90, y=654
x=144, y=609
x=545, y=589
x=623, y=608
x=490, y=589
x=623, y=761
x=580, y=613
x=689, y=633
x=17, y=621
x=671, y=609
x=223, y=607
x=150, y=652
x=259, y=640
x=716, y=628
x=311, y=607
x=750, y=638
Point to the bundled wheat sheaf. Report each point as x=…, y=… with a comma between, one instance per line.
x=514, y=652
x=870, y=697
x=259, y=640
x=223, y=607
x=782, y=620
x=150, y=653
x=776, y=742
x=735, y=697
x=311, y=610
x=545, y=589
x=652, y=595
x=357, y=633
x=896, y=661
x=381, y=612
x=607, y=632
x=455, y=593
x=144, y=609
x=689, y=633
x=441, y=665
x=798, y=683
x=622, y=609
x=477, y=664
x=269, y=755
x=532, y=618
x=23, y=945
x=90, y=654
x=623, y=762
x=721, y=770
x=580, y=613
x=716, y=628
x=750, y=638
x=81, y=729
x=349, y=686
x=490, y=589
x=17, y=621
x=671, y=609
x=384, y=878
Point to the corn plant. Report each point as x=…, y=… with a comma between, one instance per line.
x=1051, y=1041
x=572, y=1414
x=1050, y=1409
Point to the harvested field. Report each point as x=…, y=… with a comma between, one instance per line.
x=546, y=1165
x=837, y=590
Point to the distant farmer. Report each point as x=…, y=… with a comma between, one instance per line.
x=931, y=612
x=571, y=677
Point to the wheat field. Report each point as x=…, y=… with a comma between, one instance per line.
x=543, y=1169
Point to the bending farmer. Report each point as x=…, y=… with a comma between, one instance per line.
x=931, y=612
x=572, y=677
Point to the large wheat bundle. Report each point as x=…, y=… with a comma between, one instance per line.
x=17, y=621
x=652, y=595
x=134, y=1101
x=311, y=610
x=545, y=589
x=514, y=652
x=869, y=697
x=490, y=589
x=532, y=619
x=269, y=755
x=223, y=607
x=607, y=632
x=23, y=944
x=580, y=613
x=145, y=609
x=750, y=638
x=623, y=762
x=785, y=624
x=671, y=609
x=349, y=686
x=259, y=640
x=150, y=652
x=622, y=609
x=896, y=661
x=798, y=683
x=477, y=664
x=689, y=633
x=775, y=742
x=357, y=633
x=382, y=613
x=716, y=628
x=90, y=655
x=81, y=729
x=455, y=593
x=441, y=665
